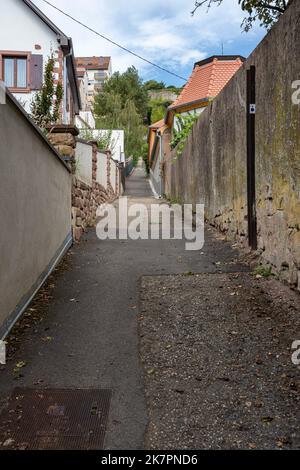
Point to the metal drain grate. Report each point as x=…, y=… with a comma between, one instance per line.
x=55, y=419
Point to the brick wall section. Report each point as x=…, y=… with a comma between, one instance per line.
x=65, y=143
x=86, y=199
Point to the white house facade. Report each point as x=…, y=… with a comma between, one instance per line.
x=98, y=70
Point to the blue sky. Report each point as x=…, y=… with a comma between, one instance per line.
x=163, y=32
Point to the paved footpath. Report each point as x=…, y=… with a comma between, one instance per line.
x=82, y=332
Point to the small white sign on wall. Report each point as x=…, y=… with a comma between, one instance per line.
x=2, y=93
x=252, y=109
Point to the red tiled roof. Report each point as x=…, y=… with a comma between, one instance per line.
x=209, y=77
x=93, y=63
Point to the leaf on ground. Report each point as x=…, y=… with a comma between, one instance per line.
x=19, y=397
x=8, y=442
x=38, y=382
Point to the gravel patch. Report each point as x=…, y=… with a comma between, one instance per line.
x=216, y=352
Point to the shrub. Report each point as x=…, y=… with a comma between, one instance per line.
x=180, y=135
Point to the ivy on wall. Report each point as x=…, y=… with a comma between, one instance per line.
x=180, y=135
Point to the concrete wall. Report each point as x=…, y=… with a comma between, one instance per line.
x=212, y=169
x=155, y=173
x=35, y=201
x=156, y=169
x=84, y=162
x=113, y=174
x=86, y=118
x=102, y=169
x=164, y=94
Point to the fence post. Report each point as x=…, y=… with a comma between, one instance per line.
x=108, y=170
x=251, y=190
x=95, y=162
x=117, y=178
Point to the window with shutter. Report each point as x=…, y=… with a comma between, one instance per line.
x=36, y=72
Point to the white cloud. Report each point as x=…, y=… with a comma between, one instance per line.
x=163, y=32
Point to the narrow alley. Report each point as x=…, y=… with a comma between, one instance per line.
x=88, y=336
x=150, y=233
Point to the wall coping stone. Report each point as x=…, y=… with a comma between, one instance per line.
x=62, y=129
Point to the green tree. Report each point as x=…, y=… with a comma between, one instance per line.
x=145, y=149
x=135, y=131
x=265, y=11
x=123, y=104
x=172, y=87
x=154, y=85
x=46, y=103
x=114, y=116
x=158, y=113
x=157, y=109
x=107, y=109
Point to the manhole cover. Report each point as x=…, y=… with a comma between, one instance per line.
x=55, y=419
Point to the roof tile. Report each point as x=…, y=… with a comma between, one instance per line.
x=93, y=63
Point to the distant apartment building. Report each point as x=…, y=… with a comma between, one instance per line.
x=27, y=39
x=92, y=73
